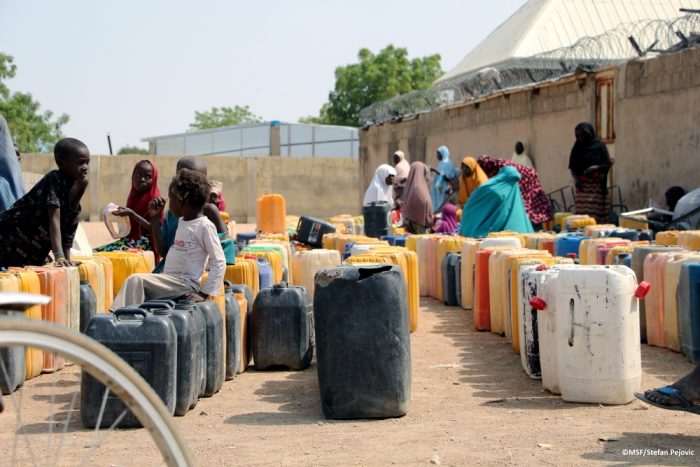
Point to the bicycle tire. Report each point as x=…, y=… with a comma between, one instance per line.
x=110, y=370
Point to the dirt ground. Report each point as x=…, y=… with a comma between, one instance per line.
x=472, y=404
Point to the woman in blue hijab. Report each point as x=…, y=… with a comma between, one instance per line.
x=495, y=206
x=11, y=183
x=444, y=173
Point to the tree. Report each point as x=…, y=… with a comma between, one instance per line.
x=31, y=130
x=224, y=116
x=376, y=78
x=132, y=150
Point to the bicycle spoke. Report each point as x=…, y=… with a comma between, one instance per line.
x=20, y=426
x=65, y=425
x=53, y=409
x=97, y=426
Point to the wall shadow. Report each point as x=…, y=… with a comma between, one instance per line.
x=489, y=364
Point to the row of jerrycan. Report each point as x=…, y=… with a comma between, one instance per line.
x=184, y=350
x=672, y=311
x=579, y=331
x=73, y=304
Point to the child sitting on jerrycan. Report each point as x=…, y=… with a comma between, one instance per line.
x=46, y=218
x=195, y=245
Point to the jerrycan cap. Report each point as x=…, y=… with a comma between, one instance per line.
x=642, y=290
x=571, y=255
x=542, y=267
x=538, y=303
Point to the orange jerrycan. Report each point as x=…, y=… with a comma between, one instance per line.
x=53, y=282
x=29, y=283
x=272, y=214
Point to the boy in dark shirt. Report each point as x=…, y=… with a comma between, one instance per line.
x=46, y=218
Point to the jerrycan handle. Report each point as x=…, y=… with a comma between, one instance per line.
x=538, y=303
x=642, y=290
x=130, y=311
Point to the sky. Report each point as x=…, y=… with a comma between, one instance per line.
x=139, y=68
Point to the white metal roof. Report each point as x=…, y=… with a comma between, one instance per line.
x=544, y=25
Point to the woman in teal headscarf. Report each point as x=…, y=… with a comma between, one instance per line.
x=495, y=206
x=444, y=173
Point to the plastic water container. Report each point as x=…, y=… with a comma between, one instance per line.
x=624, y=259
x=597, y=329
x=28, y=283
x=512, y=242
x=654, y=267
x=214, y=369
x=672, y=275
x=282, y=328
x=118, y=226
x=468, y=253
x=544, y=301
x=531, y=286
x=264, y=273
x=450, y=269
x=638, y=256
x=234, y=332
x=11, y=358
x=689, y=311
x=566, y=244
x=271, y=215
x=363, y=342
x=190, y=359
x=482, y=309
x=377, y=219
x=497, y=287
x=311, y=231
x=146, y=341
x=200, y=341
x=88, y=304
x=307, y=263
x=246, y=312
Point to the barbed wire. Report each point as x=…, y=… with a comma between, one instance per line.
x=626, y=41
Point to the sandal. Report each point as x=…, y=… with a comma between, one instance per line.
x=683, y=404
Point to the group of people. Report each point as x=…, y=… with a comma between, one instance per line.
x=482, y=195
x=492, y=193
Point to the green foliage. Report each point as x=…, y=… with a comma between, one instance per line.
x=132, y=150
x=224, y=116
x=31, y=130
x=376, y=78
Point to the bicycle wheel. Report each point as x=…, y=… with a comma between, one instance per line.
x=94, y=445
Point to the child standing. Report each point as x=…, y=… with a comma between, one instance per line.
x=144, y=189
x=195, y=245
x=46, y=218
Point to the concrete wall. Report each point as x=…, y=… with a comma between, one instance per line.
x=544, y=118
x=656, y=114
x=314, y=186
x=658, y=125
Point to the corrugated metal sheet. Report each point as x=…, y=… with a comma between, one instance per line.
x=543, y=25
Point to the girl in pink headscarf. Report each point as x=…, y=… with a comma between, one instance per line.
x=448, y=223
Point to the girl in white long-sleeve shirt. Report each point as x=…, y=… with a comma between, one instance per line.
x=196, y=244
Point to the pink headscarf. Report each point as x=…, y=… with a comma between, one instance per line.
x=417, y=205
x=402, y=167
x=448, y=224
